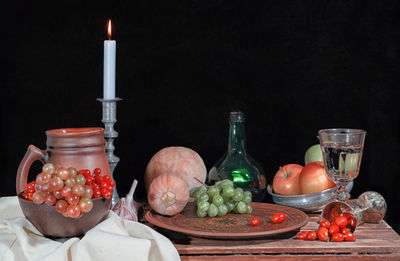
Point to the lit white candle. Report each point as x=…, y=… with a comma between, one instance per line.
x=109, y=66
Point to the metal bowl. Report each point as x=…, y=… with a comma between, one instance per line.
x=312, y=202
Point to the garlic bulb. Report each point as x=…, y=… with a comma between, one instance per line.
x=127, y=208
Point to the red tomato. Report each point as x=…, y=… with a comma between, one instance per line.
x=312, y=235
x=341, y=221
x=254, y=222
x=338, y=237
x=335, y=212
x=286, y=180
x=344, y=230
x=279, y=217
x=334, y=229
x=323, y=234
x=313, y=178
x=347, y=215
x=348, y=236
x=325, y=223
x=302, y=235
x=352, y=222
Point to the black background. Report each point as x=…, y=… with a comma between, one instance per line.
x=292, y=66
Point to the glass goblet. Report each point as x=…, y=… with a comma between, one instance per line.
x=342, y=150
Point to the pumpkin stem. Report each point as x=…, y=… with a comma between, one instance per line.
x=201, y=182
x=168, y=198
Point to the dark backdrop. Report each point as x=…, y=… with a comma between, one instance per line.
x=292, y=66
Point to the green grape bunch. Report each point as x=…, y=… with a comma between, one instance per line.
x=221, y=199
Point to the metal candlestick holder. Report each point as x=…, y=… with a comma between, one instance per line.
x=109, y=119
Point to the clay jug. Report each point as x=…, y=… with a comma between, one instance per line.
x=81, y=148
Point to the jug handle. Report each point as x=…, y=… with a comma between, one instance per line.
x=31, y=155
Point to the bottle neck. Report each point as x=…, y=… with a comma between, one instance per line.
x=237, y=138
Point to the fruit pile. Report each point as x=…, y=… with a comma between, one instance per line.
x=71, y=191
x=220, y=199
x=339, y=230
x=294, y=179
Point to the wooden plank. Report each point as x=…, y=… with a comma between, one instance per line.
x=373, y=242
x=290, y=258
x=371, y=238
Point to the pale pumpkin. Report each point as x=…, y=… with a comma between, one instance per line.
x=168, y=194
x=181, y=161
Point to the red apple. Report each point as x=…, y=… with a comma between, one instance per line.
x=313, y=178
x=286, y=180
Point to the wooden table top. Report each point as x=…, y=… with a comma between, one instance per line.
x=373, y=242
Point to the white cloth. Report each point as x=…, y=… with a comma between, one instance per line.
x=113, y=239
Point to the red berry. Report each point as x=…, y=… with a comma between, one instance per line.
x=254, y=221
x=278, y=217
x=81, y=172
x=99, y=179
x=312, y=235
x=323, y=234
x=30, y=187
x=334, y=229
x=348, y=236
x=103, y=185
x=87, y=173
x=96, y=193
x=325, y=223
x=302, y=235
x=107, y=178
x=112, y=183
x=341, y=221
x=105, y=193
x=338, y=237
x=97, y=171
x=95, y=187
x=89, y=180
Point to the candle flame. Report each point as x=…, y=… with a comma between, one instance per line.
x=109, y=29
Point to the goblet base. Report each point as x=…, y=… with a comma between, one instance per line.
x=341, y=193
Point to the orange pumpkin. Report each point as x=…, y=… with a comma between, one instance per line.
x=181, y=161
x=168, y=194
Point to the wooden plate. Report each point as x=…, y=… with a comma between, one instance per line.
x=231, y=226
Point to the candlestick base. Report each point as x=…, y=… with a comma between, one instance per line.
x=109, y=119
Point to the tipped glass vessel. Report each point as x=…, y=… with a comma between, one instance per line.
x=236, y=164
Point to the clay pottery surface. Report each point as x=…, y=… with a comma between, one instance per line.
x=231, y=226
x=53, y=224
x=81, y=148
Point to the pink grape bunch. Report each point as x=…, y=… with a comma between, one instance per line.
x=69, y=190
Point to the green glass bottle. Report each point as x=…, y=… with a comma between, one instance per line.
x=236, y=164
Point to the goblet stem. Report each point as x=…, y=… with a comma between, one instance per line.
x=341, y=193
